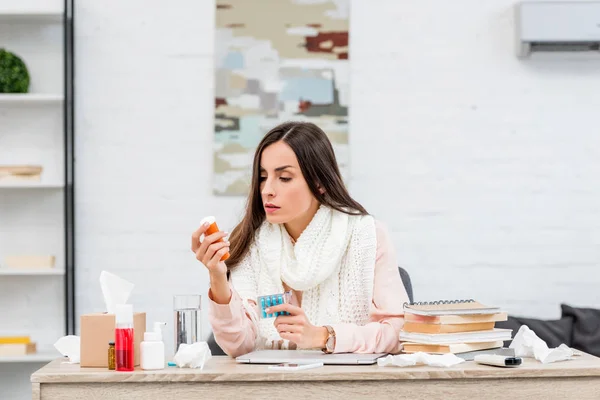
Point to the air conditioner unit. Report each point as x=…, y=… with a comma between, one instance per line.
x=557, y=26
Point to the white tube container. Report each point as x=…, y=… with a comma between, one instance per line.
x=152, y=349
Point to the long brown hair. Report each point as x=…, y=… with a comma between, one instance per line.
x=320, y=170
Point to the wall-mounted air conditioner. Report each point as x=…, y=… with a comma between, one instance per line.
x=557, y=26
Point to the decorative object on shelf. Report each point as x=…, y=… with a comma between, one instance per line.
x=20, y=173
x=15, y=339
x=11, y=346
x=273, y=69
x=14, y=76
x=17, y=262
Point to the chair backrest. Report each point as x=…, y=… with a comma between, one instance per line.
x=407, y=283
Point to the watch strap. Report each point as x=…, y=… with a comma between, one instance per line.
x=330, y=342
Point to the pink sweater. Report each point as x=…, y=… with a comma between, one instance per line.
x=236, y=334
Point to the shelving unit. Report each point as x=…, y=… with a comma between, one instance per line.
x=33, y=99
x=30, y=16
x=37, y=217
x=31, y=185
x=31, y=271
x=39, y=357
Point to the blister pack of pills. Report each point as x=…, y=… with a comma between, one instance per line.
x=271, y=300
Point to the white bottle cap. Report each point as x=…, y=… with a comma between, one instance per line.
x=124, y=314
x=210, y=219
x=152, y=337
x=156, y=335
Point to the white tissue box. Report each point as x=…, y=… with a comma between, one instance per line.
x=97, y=329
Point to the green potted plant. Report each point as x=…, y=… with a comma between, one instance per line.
x=14, y=77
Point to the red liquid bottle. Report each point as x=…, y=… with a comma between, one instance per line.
x=124, y=337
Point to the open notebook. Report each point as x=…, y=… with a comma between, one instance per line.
x=449, y=307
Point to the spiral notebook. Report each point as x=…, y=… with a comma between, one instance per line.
x=449, y=307
x=459, y=337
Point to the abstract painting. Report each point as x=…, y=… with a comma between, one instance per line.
x=276, y=61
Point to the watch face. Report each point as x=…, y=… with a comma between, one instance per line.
x=330, y=343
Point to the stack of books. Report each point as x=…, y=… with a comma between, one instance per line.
x=16, y=346
x=28, y=261
x=452, y=326
x=20, y=172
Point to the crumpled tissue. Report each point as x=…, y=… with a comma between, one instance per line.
x=115, y=290
x=408, y=360
x=192, y=355
x=527, y=344
x=69, y=346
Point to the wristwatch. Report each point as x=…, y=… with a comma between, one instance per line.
x=330, y=342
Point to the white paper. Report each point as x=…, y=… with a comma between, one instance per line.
x=192, y=355
x=69, y=346
x=115, y=290
x=527, y=344
x=420, y=358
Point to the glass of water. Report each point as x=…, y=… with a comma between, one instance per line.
x=188, y=324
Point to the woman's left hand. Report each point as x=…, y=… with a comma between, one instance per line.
x=297, y=328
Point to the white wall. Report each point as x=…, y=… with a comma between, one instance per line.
x=488, y=175
x=484, y=167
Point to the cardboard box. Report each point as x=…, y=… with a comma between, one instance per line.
x=98, y=329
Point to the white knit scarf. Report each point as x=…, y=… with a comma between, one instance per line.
x=332, y=263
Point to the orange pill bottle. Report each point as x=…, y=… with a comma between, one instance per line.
x=213, y=228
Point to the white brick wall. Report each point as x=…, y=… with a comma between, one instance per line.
x=144, y=123
x=488, y=182
x=482, y=166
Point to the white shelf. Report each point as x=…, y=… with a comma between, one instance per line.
x=31, y=16
x=40, y=357
x=30, y=98
x=31, y=271
x=30, y=185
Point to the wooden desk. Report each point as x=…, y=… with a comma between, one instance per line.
x=222, y=378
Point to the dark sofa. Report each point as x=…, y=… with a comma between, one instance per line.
x=578, y=328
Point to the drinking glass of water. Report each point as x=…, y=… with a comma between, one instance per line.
x=188, y=324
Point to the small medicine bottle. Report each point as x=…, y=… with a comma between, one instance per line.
x=111, y=355
x=213, y=228
x=152, y=349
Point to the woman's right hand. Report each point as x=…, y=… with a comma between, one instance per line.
x=210, y=251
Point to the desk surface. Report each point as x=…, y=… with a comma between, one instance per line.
x=225, y=369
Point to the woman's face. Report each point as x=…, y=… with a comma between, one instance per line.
x=285, y=194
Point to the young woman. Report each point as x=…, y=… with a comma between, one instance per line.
x=303, y=232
